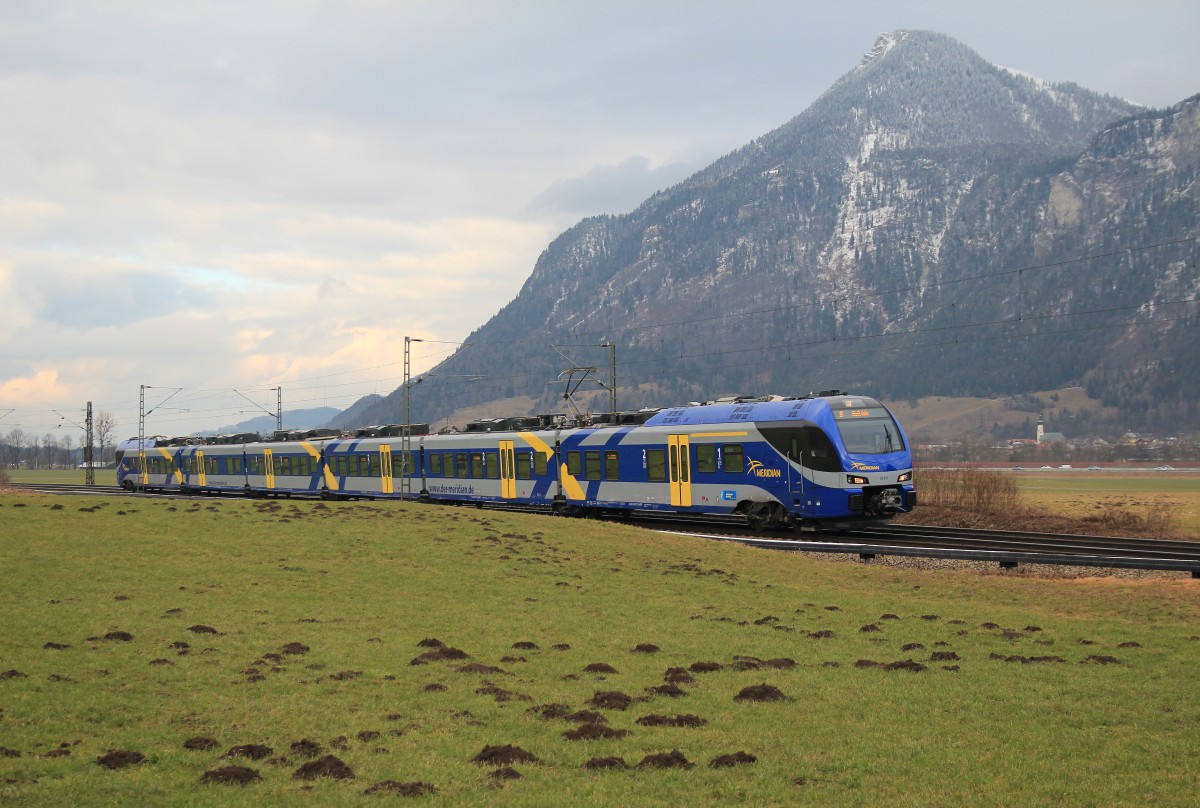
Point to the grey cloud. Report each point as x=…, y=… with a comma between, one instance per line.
x=103, y=303
x=610, y=189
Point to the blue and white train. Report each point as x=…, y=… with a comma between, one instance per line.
x=797, y=462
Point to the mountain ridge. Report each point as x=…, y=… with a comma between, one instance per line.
x=924, y=193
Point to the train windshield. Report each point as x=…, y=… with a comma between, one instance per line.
x=866, y=427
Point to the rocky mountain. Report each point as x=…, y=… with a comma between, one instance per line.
x=932, y=225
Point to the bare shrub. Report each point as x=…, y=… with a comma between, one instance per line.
x=974, y=490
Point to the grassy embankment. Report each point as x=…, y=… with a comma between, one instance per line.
x=1020, y=690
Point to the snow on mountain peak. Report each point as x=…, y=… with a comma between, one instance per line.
x=883, y=43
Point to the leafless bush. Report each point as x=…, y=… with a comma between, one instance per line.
x=975, y=490
x=1155, y=522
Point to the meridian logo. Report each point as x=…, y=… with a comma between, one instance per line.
x=859, y=466
x=758, y=470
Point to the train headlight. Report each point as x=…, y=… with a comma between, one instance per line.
x=905, y=477
x=852, y=480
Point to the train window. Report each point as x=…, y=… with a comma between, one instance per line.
x=491, y=467
x=461, y=461
x=735, y=459
x=524, y=461
x=574, y=466
x=674, y=464
x=285, y=466
x=374, y=463
x=656, y=465
x=435, y=463
x=477, y=465
x=806, y=444
x=706, y=457
x=539, y=464
x=592, y=460
x=612, y=468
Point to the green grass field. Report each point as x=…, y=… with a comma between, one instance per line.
x=359, y=586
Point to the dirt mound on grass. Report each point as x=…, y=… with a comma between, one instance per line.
x=306, y=748
x=119, y=636
x=200, y=628
x=56, y=646
x=413, y=789
x=231, y=775
x=678, y=676
x=295, y=648
x=1024, y=660
x=525, y=645
x=669, y=690
x=686, y=720
x=593, y=732
x=606, y=763
x=666, y=760
x=253, y=751
x=551, y=711
x=200, y=743
x=1097, y=659
x=600, y=667
x=646, y=648
x=732, y=759
x=504, y=755
x=478, y=667
x=763, y=692
x=430, y=642
x=586, y=717
x=610, y=700
x=328, y=766
x=904, y=665
x=505, y=773
x=705, y=667
x=119, y=759
x=440, y=654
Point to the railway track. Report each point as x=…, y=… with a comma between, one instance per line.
x=1008, y=549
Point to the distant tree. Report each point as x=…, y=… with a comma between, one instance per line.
x=104, y=426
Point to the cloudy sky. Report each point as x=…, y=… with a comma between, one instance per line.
x=217, y=198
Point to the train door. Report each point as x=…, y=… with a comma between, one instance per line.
x=508, y=472
x=269, y=466
x=386, y=480
x=201, y=476
x=679, y=460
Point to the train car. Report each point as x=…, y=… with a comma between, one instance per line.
x=287, y=468
x=802, y=462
